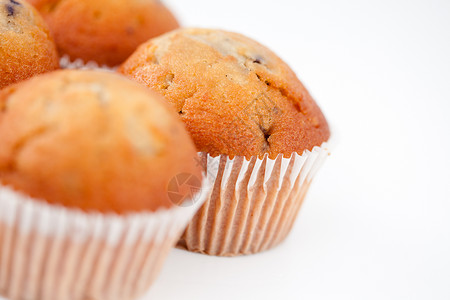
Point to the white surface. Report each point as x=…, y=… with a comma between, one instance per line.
x=376, y=224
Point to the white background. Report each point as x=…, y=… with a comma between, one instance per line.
x=376, y=224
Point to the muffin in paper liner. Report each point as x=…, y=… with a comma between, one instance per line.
x=253, y=204
x=52, y=252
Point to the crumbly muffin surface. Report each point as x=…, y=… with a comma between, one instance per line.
x=92, y=140
x=235, y=96
x=26, y=48
x=104, y=31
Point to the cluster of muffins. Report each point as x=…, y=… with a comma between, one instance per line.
x=199, y=138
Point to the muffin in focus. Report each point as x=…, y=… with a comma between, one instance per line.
x=85, y=164
x=235, y=96
x=104, y=31
x=238, y=100
x=26, y=47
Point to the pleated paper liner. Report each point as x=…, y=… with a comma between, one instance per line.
x=49, y=252
x=253, y=204
x=66, y=63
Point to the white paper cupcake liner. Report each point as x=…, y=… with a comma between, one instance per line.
x=50, y=252
x=253, y=204
x=66, y=63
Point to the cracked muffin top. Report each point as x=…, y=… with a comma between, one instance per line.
x=92, y=140
x=235, y=96
x=104, y=31
x=26, y=48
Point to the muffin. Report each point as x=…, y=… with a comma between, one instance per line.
x=26, y=47
x=85, y=211
x=104, y=31
x=260, y=133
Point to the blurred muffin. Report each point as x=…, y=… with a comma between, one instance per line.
x=128, y=136
x=104, y=31
x=85, y=165
x=26, y=48
x=237, y=99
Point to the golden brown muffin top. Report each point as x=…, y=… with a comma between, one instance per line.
x=92, y=140
x=26, y=48
x=235, y=96
x=104, y=31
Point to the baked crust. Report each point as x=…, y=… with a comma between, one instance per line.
x=92, y=140
x=26, y=47
x=104, y=31
x=235, y=96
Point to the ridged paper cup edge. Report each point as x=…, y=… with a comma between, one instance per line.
x=237, y=219
x=66, y=62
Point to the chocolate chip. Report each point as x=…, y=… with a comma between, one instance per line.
x=10, y=10
x=15, y=2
